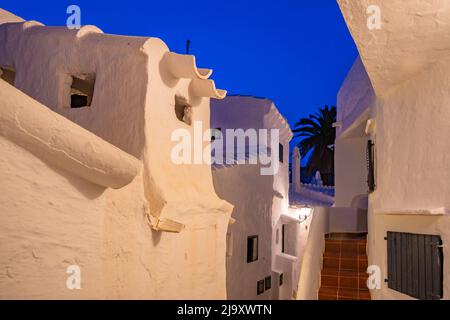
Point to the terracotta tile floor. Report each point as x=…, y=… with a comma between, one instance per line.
x=344, y=268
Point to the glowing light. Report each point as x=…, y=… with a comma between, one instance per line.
x=304, y=213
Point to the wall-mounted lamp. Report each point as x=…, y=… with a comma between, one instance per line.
x=304, y=213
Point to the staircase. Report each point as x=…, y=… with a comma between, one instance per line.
x=344, y=268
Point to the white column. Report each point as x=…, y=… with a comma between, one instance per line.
x=296, y=157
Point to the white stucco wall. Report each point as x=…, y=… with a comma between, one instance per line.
x=296, y=246
x=251, y=195
x=56, y=219
x=355, y=105
x=351, y=169
x=410, y=38
x=413, y=165
x=258, y=201
x=52, y=219
x=354, y=98
x=63, y=220
x=412, y=123
x=407, y=64
x=311, y=262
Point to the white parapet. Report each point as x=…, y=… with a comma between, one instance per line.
x=184, y=66
x=206, y=88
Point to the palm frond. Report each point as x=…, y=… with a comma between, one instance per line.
x=316, y=133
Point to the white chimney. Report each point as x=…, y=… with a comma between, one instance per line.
x=296, y=157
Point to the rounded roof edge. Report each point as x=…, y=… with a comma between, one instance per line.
x=88, y=29
x=152, y=42
x=31, y=24
x=8, y=17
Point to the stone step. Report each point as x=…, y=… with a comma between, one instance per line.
x=346, y=236
x=359, y=263
x=335, y=293
x=344, y=268
x=345, y=254
x=346, y=246
x=344, y=279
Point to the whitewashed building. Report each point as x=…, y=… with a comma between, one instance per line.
x=392, y=144
x=266, y=239
x=87, y=179
x=258, y=199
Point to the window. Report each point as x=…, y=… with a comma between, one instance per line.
x=415, y=265
x=183, y=111
x=283, y=234
x=82, y=90
x=371, y=166
x=281, y=280
x=252, y=249
x=281, y=152
x=216, y=134
x=268, y=283
x=260, y=287
x=8, y=74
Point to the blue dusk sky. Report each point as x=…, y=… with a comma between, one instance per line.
x=295, y=52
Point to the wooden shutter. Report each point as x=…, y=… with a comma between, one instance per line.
x=370, y=166
x=281, y=152
x=252, y=249
x=415, y=264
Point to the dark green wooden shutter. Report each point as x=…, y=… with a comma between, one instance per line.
x=252, y=249
x=281, y=152
x=371, y=165
x=415, y=264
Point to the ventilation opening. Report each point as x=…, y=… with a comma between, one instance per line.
x=183, y=110
x=82, y=91
x=8, y=74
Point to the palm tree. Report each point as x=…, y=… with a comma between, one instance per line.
x=318, y=138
